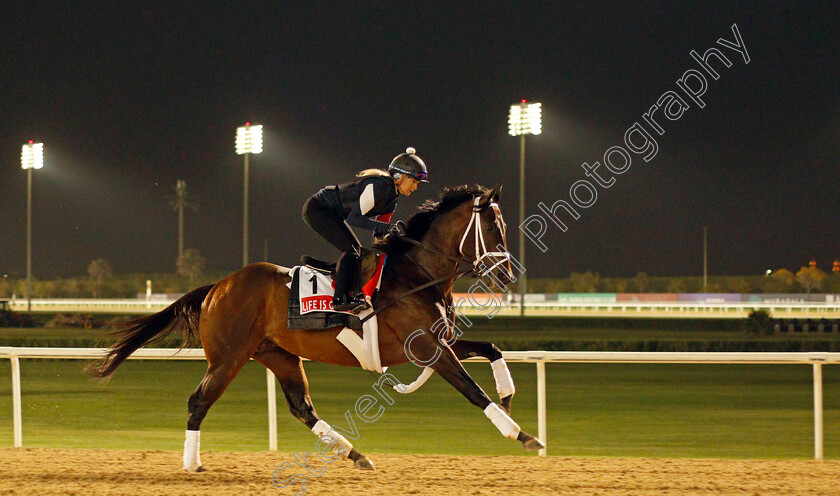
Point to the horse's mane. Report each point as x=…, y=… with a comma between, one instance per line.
x=419, y=223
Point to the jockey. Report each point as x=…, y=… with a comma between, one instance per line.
x=368, y=203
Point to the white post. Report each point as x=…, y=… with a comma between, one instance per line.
x=541, y=427
x=818, y=412
x=18, y=423
x=272, y=410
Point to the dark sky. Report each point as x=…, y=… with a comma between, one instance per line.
x=129, y=98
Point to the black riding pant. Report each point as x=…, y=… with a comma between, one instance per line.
x=331, y=226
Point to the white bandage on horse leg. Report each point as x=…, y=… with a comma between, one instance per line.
x=424, y=376
x=504, y=382
x=192, y=451
x=502, y=421
x=340, y=444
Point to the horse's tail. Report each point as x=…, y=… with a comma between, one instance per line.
x=149, y=329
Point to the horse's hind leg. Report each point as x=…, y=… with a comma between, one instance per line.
x=216, y=380
x=448, y=367
x=504, y=383
x=288, y=369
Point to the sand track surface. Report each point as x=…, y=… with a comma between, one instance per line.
x=37, y=471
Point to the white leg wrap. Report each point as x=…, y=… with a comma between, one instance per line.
x=502, y=421
x=424, y=376
x=504, y=382
x=192, y=451
x=340, y=444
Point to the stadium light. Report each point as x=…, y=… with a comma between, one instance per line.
x=249, y=139
x=524, y=118
x=31, y=157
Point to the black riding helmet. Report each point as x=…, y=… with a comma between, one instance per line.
x=409, y=164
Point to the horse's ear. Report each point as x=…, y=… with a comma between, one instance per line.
x=497, y=194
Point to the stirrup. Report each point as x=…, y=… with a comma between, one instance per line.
x=350, y=303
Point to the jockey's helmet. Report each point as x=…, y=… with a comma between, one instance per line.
x=409, y=164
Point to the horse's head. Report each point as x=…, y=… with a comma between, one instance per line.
x=484, y=239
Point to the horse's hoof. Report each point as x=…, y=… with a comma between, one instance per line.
x=532, y=444
x=363, y=463
x=199, y=469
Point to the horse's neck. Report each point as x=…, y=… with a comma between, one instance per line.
x=429, y=266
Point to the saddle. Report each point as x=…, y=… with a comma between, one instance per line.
x=369, y=263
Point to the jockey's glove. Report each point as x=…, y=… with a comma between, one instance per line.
x=397, y=229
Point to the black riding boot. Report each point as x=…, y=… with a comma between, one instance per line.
x=348, y=294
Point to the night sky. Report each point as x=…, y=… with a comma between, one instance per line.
x=128, y=99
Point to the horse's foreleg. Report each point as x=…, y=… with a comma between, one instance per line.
x=448, y=366
x=288, y=369
x=504, y=382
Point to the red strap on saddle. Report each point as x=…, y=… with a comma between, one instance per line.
x=369, y=288
x=371, y=285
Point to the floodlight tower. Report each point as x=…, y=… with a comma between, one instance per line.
x=31, y=157
x=524, y=118
x=249, y=140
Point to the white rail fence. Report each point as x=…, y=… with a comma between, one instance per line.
x=675, y=309
x=540, y=358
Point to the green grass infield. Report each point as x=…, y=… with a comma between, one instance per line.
x=649, y=410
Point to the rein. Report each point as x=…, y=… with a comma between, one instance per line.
x=427, y=285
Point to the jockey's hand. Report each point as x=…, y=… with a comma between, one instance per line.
x=397, y=229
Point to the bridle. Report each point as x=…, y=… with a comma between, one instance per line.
x=481, y=251
x=477, y=266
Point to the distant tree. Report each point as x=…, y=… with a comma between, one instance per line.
x=73, y=288
x=779, y=281
x=181, y=201
x=714, y=287
x=584, y=283
x=191, y=264
x=676, y=285
x=831, y=284
x=46, y=288
x=98, y=270
x=810, y=278
x=738, y=284
x=5, y=286
x=621, y=286
x=759, y=322
x=641, y=282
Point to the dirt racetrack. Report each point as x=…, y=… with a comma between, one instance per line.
x=37, y=471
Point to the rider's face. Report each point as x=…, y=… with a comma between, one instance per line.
x=407, y=185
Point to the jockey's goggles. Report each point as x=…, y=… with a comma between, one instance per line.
x=420, y=176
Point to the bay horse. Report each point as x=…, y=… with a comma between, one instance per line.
x=243, y=317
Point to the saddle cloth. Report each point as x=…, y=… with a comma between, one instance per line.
x=311, y=294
